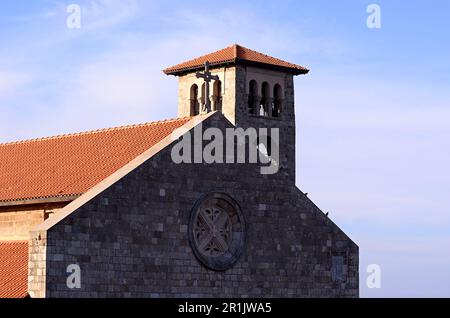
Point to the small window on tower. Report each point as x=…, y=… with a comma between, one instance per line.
x=265, y=101
x=195, y=110
x=203, y=97
x=277, y=100
x=217, y=96
x=252, y=98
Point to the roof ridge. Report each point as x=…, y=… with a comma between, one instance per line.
x=89, y=132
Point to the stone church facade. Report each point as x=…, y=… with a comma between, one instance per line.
x=138, y=224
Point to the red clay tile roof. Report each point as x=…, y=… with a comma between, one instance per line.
x=13, y=269
x=235, y=54
x=70, y=165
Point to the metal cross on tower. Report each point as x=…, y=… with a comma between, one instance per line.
x=207, y=76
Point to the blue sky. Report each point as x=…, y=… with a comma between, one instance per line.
x=373, y=116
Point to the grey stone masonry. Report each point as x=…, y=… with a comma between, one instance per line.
x=132, y=240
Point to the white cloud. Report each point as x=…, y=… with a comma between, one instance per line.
x=123, y=83
x=121, y=87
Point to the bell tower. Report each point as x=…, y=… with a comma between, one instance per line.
x=251, y=89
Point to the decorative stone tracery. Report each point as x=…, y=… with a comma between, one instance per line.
x=216, y=231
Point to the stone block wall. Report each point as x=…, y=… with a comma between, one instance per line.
x=16, y=222
x=285, y=123
x=235, y=81
x=227, y=78
x=37, y=265
x=16, y=225
x=132, y=239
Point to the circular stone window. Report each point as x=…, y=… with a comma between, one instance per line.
x=216, y=231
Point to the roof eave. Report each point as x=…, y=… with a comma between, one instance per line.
x=290, y=70
x=299, y=70
x=186, y=70
x=42, y=200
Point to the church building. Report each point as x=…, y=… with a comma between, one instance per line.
x=110, y=213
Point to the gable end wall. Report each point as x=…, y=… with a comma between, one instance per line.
x=132, y=240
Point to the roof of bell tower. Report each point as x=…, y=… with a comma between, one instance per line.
x=236, y=54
